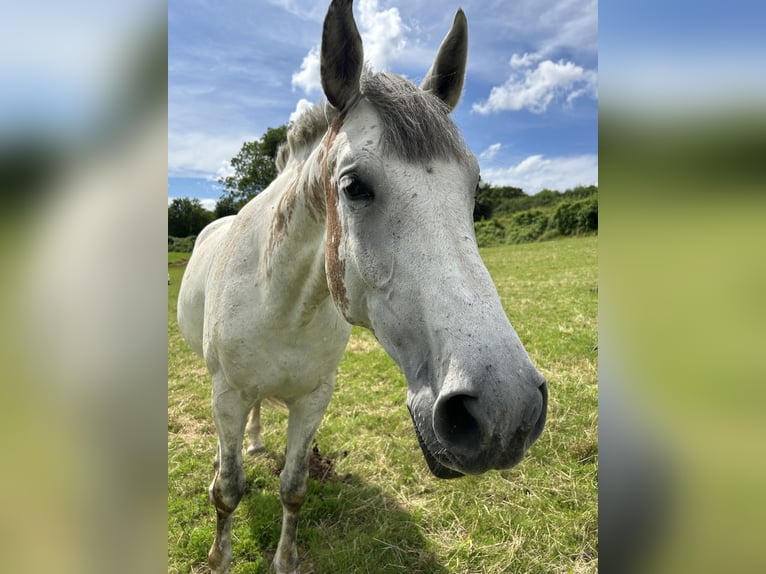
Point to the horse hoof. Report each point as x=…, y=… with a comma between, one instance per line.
x=280, y=569
x=255, y=449
x=218, y=561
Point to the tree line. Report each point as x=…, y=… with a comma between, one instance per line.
x=502, y=214
x=505, y=214
x=254, y=168
x=504, y=201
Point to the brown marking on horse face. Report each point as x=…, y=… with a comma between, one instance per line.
x=334, y=265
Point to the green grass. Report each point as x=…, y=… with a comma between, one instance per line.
x=176, y=258
x=385, y=513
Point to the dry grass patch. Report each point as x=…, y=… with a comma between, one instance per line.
x=377, y=509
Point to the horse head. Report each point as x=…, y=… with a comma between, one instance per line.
x=401, y=256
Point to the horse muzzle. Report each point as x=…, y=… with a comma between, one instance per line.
x=467, y=433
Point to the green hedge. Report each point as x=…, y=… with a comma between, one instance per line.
x=576, y=217
x=567, y=218
x=489, y=232
x=182, y=244
x=527, y=226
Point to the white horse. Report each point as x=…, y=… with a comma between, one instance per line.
x=369, y=222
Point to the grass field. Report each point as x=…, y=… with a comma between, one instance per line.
x=378, y=509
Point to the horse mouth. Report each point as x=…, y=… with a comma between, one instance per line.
x=437, y=468
x=477, y=458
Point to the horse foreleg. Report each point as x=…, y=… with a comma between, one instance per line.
x=255, y=442
x=225, y=492
x=305, y=416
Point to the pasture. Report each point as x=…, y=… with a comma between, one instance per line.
x=373, y=506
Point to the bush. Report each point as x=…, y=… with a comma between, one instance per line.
x=551, y=233
x=508, y=215
x=564, y=218
x=489, y=232
x=527, y=226
x=576, y=217
x=587, y=216
x=182, y=244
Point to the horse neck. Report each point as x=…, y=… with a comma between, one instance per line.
x=295, y=250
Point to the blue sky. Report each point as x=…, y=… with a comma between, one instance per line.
x=528, y=111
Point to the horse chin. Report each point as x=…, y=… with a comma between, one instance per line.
x=437, y=468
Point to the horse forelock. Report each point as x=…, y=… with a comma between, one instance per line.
x=416, y=125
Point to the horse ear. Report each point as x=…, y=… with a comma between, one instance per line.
x=445, y=78
x=341, y=56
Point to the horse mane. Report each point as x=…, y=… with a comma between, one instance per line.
x=416, y=125
x=303, y=134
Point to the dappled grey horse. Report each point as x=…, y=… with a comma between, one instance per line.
x=369, y=222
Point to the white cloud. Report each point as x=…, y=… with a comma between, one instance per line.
x=303, y=9
x=569, y=25
x=208, y=204
x=383, y=34
x=196, y=154
x=308, y=78
x=490, y=152
x=384, y=38
x=303, y=105
x=524, y=61
x=535, y=88
x=537, y=172
x=226, y=170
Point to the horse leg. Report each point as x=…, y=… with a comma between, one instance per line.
x=305, y=415
x=225, y=492
x=255, y=442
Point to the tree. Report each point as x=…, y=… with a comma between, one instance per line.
x=497, y=201
x=575, y=217
x=482, y=207
x=547, y=197
x=227, y=205
x=254, y=169
x=187, y=217
x=580, y=192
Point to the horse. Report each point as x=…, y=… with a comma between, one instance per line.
x=368, y=222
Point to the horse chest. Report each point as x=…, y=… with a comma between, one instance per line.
x=271, y=358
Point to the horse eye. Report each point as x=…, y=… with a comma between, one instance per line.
x=355, y=189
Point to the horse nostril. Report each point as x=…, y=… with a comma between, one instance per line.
x=454, y=424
